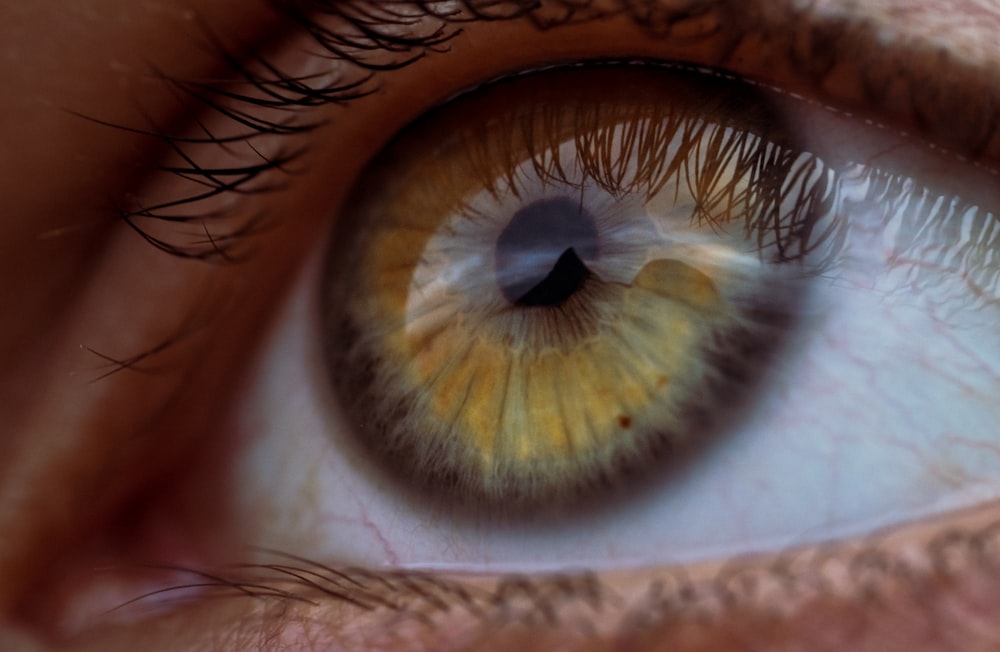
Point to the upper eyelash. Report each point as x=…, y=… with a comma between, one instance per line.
x=367, y=41
x=258, y=99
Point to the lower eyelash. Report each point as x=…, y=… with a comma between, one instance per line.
x=865, y=594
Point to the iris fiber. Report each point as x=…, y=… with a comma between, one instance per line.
x=554, y=281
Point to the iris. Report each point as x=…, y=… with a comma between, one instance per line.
x=550, y=284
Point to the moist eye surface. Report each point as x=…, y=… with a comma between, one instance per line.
x=559, y=283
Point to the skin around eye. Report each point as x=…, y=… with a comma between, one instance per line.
x=36, y=504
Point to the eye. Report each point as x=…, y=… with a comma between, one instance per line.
x=280, y=467
x=835, y=299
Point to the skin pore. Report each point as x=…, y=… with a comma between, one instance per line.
x=101, y=472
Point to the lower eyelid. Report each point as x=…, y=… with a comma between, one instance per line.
x=861, y=597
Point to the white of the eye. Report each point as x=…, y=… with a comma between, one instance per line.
x=878, y=412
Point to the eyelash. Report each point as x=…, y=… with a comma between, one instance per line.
x=738, y=156
x=256, y=86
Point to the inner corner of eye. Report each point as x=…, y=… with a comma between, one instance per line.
x=563, y=282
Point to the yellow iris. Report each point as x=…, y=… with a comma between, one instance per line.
x=554, y=280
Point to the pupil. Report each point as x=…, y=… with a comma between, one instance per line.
x=564, y=279
x=541, y=254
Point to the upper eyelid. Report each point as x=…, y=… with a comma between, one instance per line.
x=888, y=58
x=825, y=52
